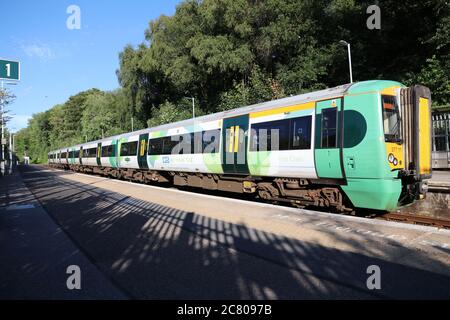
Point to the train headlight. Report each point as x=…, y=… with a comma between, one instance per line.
x=391, y=158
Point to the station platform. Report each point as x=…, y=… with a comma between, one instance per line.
x=440, y=181
x=35, y=252
x=436, y=205
x=164, y=243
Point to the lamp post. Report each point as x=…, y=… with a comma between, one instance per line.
x=14, y=149
x=345, y=43
x=10, y=153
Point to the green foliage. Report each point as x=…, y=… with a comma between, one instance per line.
x=96, y=117
x=7, y=97
x=71, y=113
x=436, y=76
x=259, y=87
x=210, y=49
x=22, y=142
x=169, y=112
x=83, y=117
x=38, y=137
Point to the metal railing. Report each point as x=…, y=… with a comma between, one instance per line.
x=441, y=136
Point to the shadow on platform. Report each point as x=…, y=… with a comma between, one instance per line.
x=158, y=252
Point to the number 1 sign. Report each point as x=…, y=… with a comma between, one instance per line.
x=9, y=70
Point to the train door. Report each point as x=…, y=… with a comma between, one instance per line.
x=415, y=111
x=115, y=157
x=99, y=154
x=80, y=156
x=328, y=147
x=234, y=145
x=142, y=151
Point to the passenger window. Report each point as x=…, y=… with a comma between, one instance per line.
x=291, y=134
x=155, y=146
x=301, y=133
x=211, y=140
x=168, y=145
x=263, y=135
x=329, y=128
x=108, y=151
x=128, y=149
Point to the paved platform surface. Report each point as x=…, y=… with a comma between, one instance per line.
x=35, y=252
x=440, y=180
x=164, y=243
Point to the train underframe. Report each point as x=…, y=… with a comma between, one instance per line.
x=413, y=187
x=298, y=192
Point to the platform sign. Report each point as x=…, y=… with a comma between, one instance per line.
x=9, y=70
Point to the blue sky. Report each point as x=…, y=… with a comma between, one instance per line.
x=57, y=62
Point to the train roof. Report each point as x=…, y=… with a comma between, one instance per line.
x=297, y=99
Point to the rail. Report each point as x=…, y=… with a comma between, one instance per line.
x=416, y=219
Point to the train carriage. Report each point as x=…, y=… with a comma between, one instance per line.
x=108, y=153
x=89, y=154
x=360, y=145
x=193, y=147
x=64, y=156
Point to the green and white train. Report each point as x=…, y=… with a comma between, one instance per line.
x=360, y=145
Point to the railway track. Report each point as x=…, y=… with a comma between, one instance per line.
x=416, y=219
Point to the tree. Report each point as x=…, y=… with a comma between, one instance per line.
x=6, y=97
x=38, y=137
x=436, y=76
x=97, y=118
x=72, y=111
x=169, y=112
x=22, y=143
x=259, y=88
